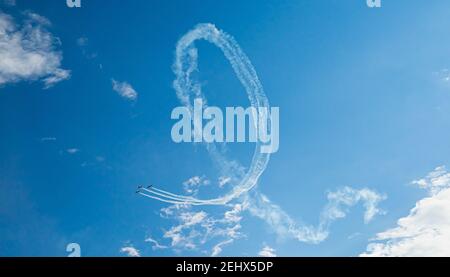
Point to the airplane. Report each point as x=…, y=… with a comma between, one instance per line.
x=149, y=187
x=139, y=189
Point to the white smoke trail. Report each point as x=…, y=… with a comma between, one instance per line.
x=337, y=207
x=185, y=64
x=163, y=200
x=166, y=194
x=169, y=197
x=256, y=203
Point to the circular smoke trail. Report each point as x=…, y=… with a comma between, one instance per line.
x=186, y=57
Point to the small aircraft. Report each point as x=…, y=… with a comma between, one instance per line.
x=149, y=187
x=139, y=189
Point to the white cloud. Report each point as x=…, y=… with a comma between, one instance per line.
x=193, y=184
x=435, y=181
x=339, y=201
x=224, y=181
x=197, y=230
x=443, y=75
x=234, y=215
x=83, y=44
x=58, y=76
x=218, y=248
x=82, y=41
x=181, y=235
x=73, y=151
x=28, y=52
x=130, y=251
x=338, y=205
x=426, y=230
x=267, y=252
x=48, y=139
x=125, y=90
x=156, y=244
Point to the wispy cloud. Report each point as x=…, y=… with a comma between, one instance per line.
x=435, y=181
x=443, y=75
x=28, y=52
x=267, y=252
x=181, y=235
x=83, y=44
x=426, y=230
x=156, y=244
x=193, y=184
x=130, y=251
x=82, y=41
x=197, y=230
x=57, y=76
x=339, y=202
x=218, y=248
x=125, y=90
x=224, y=181
x=48, y=139
x=73, y=151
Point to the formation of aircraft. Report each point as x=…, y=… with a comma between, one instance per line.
x=139, y=188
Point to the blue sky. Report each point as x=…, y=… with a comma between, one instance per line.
x=364, y=98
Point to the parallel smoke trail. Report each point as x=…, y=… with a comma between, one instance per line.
x=169, y=195
x=163, y=200
x=185, y=64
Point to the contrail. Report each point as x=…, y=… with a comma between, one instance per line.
x=185, y=63
x=168, y=193
x=167, y=196
x=256, y=203
x=164, y=200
